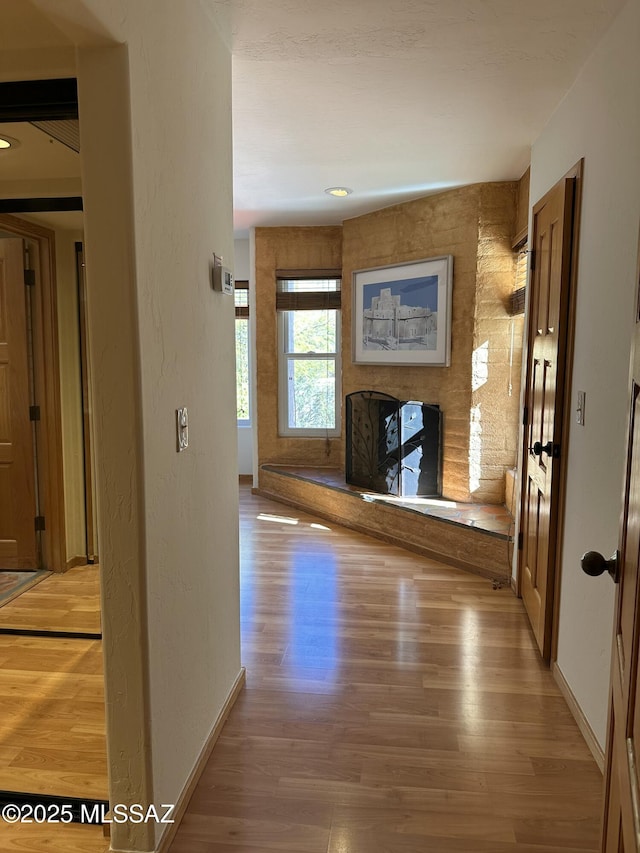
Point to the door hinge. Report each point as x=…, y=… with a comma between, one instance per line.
x=533, y=260
x=520, y=540
x=39, y=520
x=30, y=278
x=34, y=413
x=525, y=416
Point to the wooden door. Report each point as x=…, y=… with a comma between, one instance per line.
x=553, y=221
x=621, y=827
x=18, y=538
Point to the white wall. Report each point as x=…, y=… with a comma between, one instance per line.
x=157, y=183
x=242, y=271
x=600, y=121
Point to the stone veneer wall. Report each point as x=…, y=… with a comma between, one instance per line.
x=474, y=224
x=479, y=395
x=287, y=248
x=497, y=353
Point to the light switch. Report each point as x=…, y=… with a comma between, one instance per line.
x=182, y=429
x=580, y=408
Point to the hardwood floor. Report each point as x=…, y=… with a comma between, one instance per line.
x=467, y=536
x=52, y=726
x=61, y=602
x=393, y=705
x=53, y=837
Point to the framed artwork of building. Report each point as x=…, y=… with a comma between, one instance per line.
x=402, y=313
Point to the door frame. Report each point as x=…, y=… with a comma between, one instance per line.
x=91, y=525
x=575, y=174
x=47, y=385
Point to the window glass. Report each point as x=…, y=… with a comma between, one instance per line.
x=309, y=356
x=311, y=393
x=311, y=331
x=242, y=369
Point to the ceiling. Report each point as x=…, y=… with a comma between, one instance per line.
x=59, y=220
x=392, y=98
x=25, y=27
x=395, y=99
x=38, y=156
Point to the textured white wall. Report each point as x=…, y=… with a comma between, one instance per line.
x=600, y=121
x=181, y=104
x=158, y=190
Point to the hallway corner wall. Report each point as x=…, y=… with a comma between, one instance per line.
x=599, y=120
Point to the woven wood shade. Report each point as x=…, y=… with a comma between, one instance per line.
x=517, y=302
x=519, y=295
x=314, y=301
x=308, y=300
x=307, y=275
x=242, y=300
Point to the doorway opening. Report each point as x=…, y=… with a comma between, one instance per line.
x=54, y=629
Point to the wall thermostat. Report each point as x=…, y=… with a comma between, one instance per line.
x=222, y=278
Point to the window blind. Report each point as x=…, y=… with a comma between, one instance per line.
x=518, y=297
x=241, y=296
x=308, y=290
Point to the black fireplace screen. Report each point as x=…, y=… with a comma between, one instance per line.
x=393, y=447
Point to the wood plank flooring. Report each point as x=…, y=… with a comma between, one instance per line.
x=61, y=602
x=52, y=838
x=471, y=544
x=393, y=705
x=52, y=725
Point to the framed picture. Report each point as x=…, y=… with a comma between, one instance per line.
x=402, y=313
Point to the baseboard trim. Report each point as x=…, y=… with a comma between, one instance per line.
x=245, y=478
x=75, y=561
x=579, y=717
x=183, y=800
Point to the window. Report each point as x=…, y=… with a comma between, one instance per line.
x=516, y=309
x=242, y=353
x=308, y=307
x=517, y=302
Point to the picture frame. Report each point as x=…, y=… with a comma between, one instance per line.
x=402, y=313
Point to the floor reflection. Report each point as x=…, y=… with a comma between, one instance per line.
x=313, y=638
x=393, y=705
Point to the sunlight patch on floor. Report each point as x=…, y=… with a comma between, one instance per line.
x=277, y=519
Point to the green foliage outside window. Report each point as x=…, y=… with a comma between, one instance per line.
x=242, y=369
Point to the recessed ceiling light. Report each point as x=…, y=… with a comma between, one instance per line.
x=8, y=142
x=338, y=192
